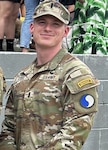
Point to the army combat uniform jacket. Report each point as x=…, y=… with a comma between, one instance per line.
x=50, y=107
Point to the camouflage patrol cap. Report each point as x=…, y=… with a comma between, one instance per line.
x=53, y=8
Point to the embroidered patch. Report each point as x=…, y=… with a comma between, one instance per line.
x=76, y=74
x=87, y=101
x=84, y=82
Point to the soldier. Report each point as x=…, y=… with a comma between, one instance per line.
x=2, y=92
x=2, y=87
x=52, y=102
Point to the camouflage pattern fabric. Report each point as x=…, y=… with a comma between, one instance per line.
x=90, y=28
x=46, y=108
x=53, y=8
x=2, y=87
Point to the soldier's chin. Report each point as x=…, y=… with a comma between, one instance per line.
x=45, y=44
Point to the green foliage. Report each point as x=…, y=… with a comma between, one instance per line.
x=90, y=27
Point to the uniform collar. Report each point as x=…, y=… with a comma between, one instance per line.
x=51, y=65
x=33, y=69
x=57, y=59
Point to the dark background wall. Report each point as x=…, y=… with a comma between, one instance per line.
x=13, y=62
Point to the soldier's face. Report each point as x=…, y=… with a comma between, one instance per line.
x=48, y=31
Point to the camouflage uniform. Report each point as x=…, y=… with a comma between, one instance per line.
x=2, y=87
x=50, y=107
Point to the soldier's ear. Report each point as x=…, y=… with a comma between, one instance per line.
x=66, y=31
x=32, y=27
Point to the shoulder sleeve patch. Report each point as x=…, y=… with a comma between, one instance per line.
x=81, y=83
x=87, y=101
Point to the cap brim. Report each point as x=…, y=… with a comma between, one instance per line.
x=52, y=14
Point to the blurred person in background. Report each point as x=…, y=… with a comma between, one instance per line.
x=25, y=35
x=8, y=14
x=19, y=20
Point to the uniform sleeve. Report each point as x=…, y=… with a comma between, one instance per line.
x=2, y=87
x=80, y=106
x=7, y=135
